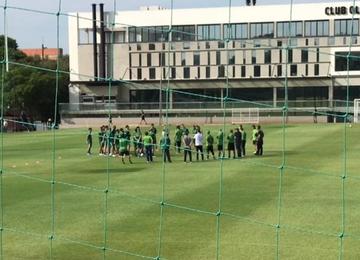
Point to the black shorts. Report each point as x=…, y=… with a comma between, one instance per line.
x=122, y=153
x=254, y=142
x=220, y=147
x=231, y=147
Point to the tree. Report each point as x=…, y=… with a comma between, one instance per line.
x=30, y=84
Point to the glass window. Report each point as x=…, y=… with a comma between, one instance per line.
x=152, y=73
x=183, y=59
x=85, y=36
x=261, y=30
x=236, y=31
x=279, y=70
x=196, y=58
x=253, y=57
x=151, y=46
x=304, y=55
x=267, y=56
x=286, y=29
x=207, y=72
x=183, y=33
x=218, y=59
x=149, y=59
x=139, y=75
x=316, y=70
x=243, y=71
x=221, y=71
x=173, y=73
x=256, y=71
x=346, y=27
x=208, y=32
x=290, y=56
x=293, y=70
x=186, y=73
x=341, y=61
x=231, y=57
x=317, y=28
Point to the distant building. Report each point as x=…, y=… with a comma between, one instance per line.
x=43, y=53
x=256, y=51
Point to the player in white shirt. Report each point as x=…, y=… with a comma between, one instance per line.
x=198, y=137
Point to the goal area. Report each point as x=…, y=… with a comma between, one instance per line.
x=245, y=115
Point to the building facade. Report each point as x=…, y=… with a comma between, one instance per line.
x=137, y=52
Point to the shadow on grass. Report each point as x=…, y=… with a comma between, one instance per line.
x=121, y=170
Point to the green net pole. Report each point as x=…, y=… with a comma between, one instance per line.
x=108, y=78
x=284, y=125
x=163, y=172
x=4, y=69
x=53, y=128
x=345, y=140
x=221, y=174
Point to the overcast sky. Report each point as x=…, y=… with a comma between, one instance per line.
x=32, y=29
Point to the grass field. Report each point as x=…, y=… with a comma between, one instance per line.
x=311, y=207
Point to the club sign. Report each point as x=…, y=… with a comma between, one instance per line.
x=342, y=10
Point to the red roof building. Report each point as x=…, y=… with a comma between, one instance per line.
x=44, y=53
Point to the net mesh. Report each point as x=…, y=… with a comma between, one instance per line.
x=226, y=101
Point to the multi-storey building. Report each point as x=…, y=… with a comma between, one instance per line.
x=256, y=47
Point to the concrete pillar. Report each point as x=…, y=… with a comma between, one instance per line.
x=274, y=97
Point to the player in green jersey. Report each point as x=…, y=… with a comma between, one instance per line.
x=209, y=145
x=124, y=146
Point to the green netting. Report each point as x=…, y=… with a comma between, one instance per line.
x=164, y=204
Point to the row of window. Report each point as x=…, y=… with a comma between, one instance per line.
x=244, y=31
x=221, y=72
x=266, y=54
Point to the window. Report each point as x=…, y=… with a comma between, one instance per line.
x=151, y=46
x=207, y=72
x=148, y=34
x=231, y=60
x=290, y=55
x=346, y=27
x=256, y=71
x=162, y=59
x=316, y=70
x=149, y=59
x=317, y=55
x=261, y=30
x=236, y=31
x=267, y=56
x=183, y=59
x=304, y=55
x=279, y=70
x=196, y=58
x=253, y=57
x=293, y=70
x=221, y=71
x=221, y=45
x=183, y=33
x=243, y=71
x=173, y=73
x=85, y=36
x=186, y=72
x=289, y=29
x=306, y=70
x=341, y=61
x=218, y=58
x=207, y=45
x=152, y=73
x=139, y=74
x=208, y=32
x=317, y=28
x=270, y=71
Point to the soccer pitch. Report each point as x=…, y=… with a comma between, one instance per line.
x=314, y=210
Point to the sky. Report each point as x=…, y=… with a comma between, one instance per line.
x=31, y=29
